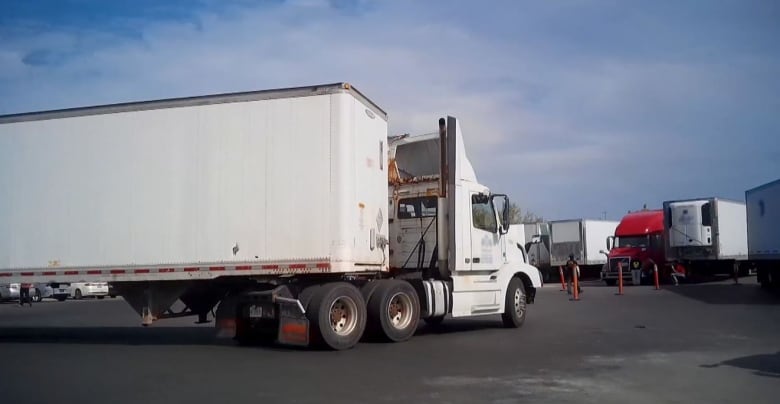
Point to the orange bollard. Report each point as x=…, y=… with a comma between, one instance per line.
x=576, y=284
x=563, y=282
x=620, y=279
x=655, y=275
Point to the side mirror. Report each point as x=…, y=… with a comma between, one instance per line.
x=610, y=241
x=536, y=239
x=503, y=200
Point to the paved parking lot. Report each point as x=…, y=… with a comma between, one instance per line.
x=710, y=343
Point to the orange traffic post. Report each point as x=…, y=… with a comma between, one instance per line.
x=620, y=279
x=655, y=275
x=576, y=284
x=563, y=282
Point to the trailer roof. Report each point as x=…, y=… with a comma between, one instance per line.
x=760, y=187
x=197, y=100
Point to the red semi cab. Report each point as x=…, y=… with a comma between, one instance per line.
x=638, y=239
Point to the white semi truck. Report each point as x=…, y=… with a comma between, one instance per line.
x=763, y=232
x=270, y=206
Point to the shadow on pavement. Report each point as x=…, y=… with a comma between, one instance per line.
x=111, y=335
x=729, y=293
x=767, y=365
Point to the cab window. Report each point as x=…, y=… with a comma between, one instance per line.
x=482, y=213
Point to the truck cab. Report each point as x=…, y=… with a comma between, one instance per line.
x=638, y=242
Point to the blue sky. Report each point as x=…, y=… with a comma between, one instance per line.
x=572, y=107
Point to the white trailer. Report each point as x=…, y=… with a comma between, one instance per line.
x=763, y=232
x=537, y=237
x=270, y=205
x=707, y=235
x=582, y=238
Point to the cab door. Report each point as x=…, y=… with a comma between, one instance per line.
x=486, y=254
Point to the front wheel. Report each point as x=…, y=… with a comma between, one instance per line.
x=37, y=296
x=515, y=304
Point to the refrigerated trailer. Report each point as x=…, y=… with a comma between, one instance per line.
x=763, y=232
x=585, y=239
x=706, y=235
x=279, y=208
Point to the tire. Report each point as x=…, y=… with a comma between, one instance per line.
x=393, y=311
x=37, y=296
x=610, y=282
x=514, y=304
x=77, y=295
x=337, y=316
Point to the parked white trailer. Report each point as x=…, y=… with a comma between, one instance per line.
x=763, y=232
x=707, y=235
x=537, y=236
x=582, y=238
x=270, y=205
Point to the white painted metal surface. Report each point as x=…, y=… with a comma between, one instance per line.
x=229, y=185
x=763, y=221
x=583, y=238
x=732, y=230
x=706, y=229
x=596, y=233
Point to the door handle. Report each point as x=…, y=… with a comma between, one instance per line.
x=476, y=260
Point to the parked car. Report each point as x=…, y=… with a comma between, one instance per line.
x=38, y=292
x=80, y=290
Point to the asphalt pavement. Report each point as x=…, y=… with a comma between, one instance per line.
x=713, y=343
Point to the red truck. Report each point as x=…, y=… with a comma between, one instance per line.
x=638, y=239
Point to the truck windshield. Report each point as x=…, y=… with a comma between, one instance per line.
x=631, y=241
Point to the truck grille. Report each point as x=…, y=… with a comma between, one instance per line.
x=625, y=262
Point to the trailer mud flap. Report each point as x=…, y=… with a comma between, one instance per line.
x=293, y=331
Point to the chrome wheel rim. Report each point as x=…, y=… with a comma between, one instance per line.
x=343, y=315
x=400, y=311
x=519, y=302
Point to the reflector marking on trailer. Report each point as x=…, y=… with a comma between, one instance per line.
x=270, y=267
x=117, y=271
x=27, y=273
x=141, y=271
x=216, y=268
x=323, y=265
x=191, y=269
x=50, y=273
x=93, y=272
x=6, y=274
x=243, y=268
x=71, y=272
x=165, y=270
x=297, y=266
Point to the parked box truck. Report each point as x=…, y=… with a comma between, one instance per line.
x=707, y=235
x=763, y=232
x=582, y=238
x=271, y=206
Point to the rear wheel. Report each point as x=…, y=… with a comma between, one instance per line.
x=337, y=316
x=77, y=294
x=515, y=304
x=394, y=310
x=37, y=296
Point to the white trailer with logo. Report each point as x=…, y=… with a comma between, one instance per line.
x=271, y=206
x=763, y=232
x=707, y=235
